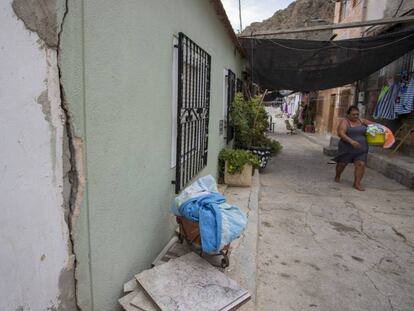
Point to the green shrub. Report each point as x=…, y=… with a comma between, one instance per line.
x=251, y=123
x=275, y=146
x=236, y=159
x=296, y=118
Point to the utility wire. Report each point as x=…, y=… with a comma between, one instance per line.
x=334, y=44
x=373, y=47
x=399, y=7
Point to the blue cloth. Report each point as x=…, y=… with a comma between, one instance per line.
x=205, y=209
x=406, y=94
x=220, y=223
x=385, y=108
x=234, y=221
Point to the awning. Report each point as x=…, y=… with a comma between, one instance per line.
x=305, y=65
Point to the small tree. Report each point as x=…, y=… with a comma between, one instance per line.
x=250, y=121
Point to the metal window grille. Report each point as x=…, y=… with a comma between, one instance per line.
x=193, y=107
x=231, y=91
x=344, y=102
x=239, y=85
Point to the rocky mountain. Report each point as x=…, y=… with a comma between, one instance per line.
x=301, y=13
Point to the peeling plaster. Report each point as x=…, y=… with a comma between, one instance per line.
x=44, y=101
x=67, y=289
x=39, y=16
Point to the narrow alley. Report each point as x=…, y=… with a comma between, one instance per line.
x=326, y=246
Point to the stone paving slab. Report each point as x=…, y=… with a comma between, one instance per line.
x=243, y=258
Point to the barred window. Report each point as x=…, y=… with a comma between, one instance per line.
x=344, y=102
x=193, y=108
x=231, y=91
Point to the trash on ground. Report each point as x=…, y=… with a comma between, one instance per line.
x=191, y=283
x=180, y=278
x=219, y=223
x=137, y=298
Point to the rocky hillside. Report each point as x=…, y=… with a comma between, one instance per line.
x=301, y=13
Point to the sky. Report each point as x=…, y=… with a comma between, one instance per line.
x=252, y=10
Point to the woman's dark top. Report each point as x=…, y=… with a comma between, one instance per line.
x=346, y=152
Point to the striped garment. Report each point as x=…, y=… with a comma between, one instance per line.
x=406, y=103
x=384, y=90
x=385, y=108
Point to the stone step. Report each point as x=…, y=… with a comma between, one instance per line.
x=334, y=141
x=330, y=151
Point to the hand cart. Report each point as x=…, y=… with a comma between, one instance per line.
x=190, y=232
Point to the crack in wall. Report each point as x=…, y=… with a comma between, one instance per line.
x=43, y=17
x=73, y=181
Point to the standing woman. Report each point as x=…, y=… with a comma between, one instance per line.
x=353, y=146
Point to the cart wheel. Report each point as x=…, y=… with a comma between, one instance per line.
x=180, y=238
x=225, y=262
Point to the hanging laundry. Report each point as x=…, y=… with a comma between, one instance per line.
x=383, y=91
x=290, y=109
x=285, y=107
x=406, y=98
x=385, y=108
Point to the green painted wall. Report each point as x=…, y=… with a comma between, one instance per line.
x=116, y=62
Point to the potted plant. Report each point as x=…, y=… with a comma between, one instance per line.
x=296, y=120
x=238, y=166
x=308, y=125
x=250, y=122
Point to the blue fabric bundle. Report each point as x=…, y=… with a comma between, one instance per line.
x=220, y=223
x=206, y=211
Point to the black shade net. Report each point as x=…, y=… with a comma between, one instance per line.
x=305, y=65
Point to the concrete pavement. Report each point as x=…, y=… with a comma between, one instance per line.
x=243, y=259
x=326, y=246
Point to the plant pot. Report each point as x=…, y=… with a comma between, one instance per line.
x=263, y=153
x=243, y=179
x=310, y=129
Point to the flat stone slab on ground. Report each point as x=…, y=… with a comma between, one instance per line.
x=191, y=283
x=142, y=301
x=125, y=302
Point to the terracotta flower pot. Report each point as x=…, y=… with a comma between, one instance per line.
x=310, y=129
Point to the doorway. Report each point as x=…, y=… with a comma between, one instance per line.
x=331, y=113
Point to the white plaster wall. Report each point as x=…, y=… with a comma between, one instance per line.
x=376, y=9
x=33, y=233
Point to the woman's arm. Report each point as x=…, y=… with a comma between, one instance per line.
x=367, y=122
x=342, y=127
